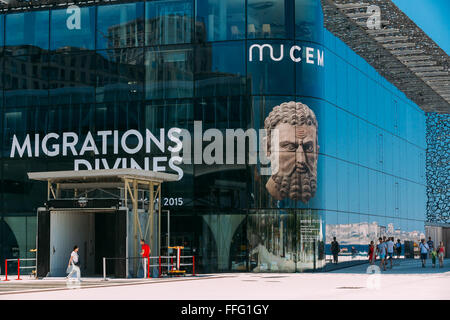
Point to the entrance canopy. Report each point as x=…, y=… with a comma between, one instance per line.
x=104, y=178
x=132, y=181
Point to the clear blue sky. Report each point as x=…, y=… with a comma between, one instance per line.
x=432, y=16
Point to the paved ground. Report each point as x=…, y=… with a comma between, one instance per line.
x=405, y=281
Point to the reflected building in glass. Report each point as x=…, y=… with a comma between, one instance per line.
x=162, y=64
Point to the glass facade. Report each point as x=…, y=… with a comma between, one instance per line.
x=155, y=65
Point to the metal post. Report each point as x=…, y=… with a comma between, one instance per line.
x=135, y=214
x=193, y=265
x=148, y=267
x=6, y=270
x=314, y=256
x=151, y=208
x=168, y=230
x=104, y=269
x=159, y=219
x=18, y=269
x=159, y=275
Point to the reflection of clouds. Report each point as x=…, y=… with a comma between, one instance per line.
x=363, y=232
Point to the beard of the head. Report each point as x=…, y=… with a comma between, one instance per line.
x=297, y=186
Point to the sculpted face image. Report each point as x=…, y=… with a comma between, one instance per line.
x=294, y=159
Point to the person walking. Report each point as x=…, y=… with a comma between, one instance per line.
x=381, y=250
x=145, y=254
x=371, y=253
x=441, y=254
x=390, y=249
x=335, y=250
x=398, y=248
x=433, y=257
x=424, y=249
x=74, y=264
x=430, y=245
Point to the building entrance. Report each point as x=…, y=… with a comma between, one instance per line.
x=99, y=211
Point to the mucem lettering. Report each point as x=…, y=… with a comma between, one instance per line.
x=311, y=55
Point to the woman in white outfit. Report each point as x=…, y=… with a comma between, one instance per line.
x=74, y=263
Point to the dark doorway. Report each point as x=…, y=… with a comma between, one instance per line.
x=110, y=242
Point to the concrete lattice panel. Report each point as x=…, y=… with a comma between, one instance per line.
x=438, y=167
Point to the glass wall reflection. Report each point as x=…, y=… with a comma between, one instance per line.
x=168, y=22
x=221, y=19
x=167, y=63
x=285, y=240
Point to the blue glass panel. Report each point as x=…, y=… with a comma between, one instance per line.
x=120, y=26
x=270, y=76
x=381, y=194
x=342, y=138
x=2, y=32
x=319, y=201
x=221, y=19
x=372, y=105
x=372, y=147
x=342, y=185
x=381, y=106
x=372, y=191
x=72, y=77
x=363, y=156
x=352, y=90
x=72, y=29
x=363, y=189
x=388, y=153
x=327, y=129
x=329, y=40
x=169, y=73
x=330, y=82
x=26, y=80
x=410, y=196
x=308, y=20
x=30, y=29
x=401, y=116
x=120, y=75
x=362, y=94
x=331, y=183
x=169, y=22
x=403, y=205
x=341, y=74
x=270, y=19
x=309, y=72
x=353, y=139
x=220, y=69
x=353, y=188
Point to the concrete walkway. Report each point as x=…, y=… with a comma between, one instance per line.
x=405, y=281
x=402, y=266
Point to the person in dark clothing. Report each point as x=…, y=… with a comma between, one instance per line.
x=398, y=248
x=335, y=250
x=430, y=245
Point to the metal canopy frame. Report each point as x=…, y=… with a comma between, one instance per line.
x=131, y=180
x=400, y=51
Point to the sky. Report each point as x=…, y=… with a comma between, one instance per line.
x=432, y=16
